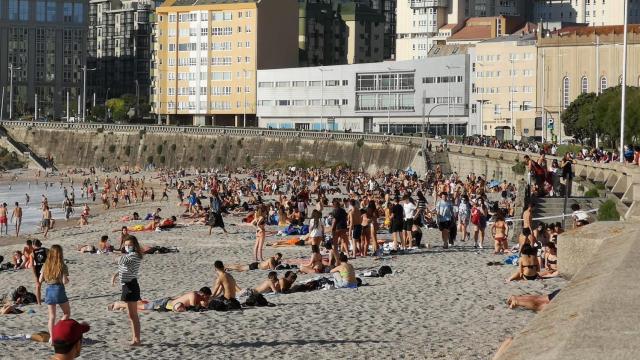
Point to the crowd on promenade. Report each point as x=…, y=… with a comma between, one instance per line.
x=339, y=214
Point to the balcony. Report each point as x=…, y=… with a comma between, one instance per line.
x=416, y=4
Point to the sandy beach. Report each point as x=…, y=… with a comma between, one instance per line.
x=437, y=304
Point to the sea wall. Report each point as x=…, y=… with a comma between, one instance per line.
x=84, y=148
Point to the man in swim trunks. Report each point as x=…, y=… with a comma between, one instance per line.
x=287, y=281
x=338, y=227
x=225, y=286
x=269, y=264
x=192, y=299
x=354, y=220
x=16, y=218
x=38, y=258
x=3, y=219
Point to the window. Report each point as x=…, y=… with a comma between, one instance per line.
x=51, y=11
x=265, y=84
x=526, y=105
x=299, y=83
x=345, y=82
x=565, y=92
x=584, y=85
x=331, y=83
x=315, y=83
x=603, y=83
x=204, y=31
x=298, y=102
x=282, y=84
x=496, y=109
x=40, y=11
x=283, y=102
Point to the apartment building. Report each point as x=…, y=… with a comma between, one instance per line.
x=592, y=12
x=399, y=97
x=333, y=32
x=388, y=9
x=578, y=60
x=504, y=87
x=45, y=43
x=120, y=47
x=208, y=52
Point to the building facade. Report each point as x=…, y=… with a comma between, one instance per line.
x=207, y=54
x=376, y=97
x=365, y=33
x=504, y=78
x=120, y=47
x=45, y=42
x=592, y=12
x=580, y=60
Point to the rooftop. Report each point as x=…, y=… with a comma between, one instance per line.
x=203, y=2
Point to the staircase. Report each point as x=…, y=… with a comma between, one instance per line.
x=22, y=149
x=553, y=206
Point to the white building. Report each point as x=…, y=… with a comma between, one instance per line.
x=592, y=12
x=369, y=97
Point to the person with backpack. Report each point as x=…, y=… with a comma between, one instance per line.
x=444, y=211
x=38, y=258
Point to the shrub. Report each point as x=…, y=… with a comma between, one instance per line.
x=519, y=168
x=112, y=148
x=218, y=160
x=162, y=159
x=159, y=149
x=144, y=148
x=247, y=159
x=173, y=147
x=150, y=159
x=211, y=146
x=599, y=186
x=101, y=159
x=592, y=193
x=360, y=142
x=100, y=130
x=608, y=211
x=240, y=143
x=581, y=188
x=127, y=150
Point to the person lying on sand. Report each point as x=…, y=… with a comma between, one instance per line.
x=269, y=264
x=271, y=284
x=192, y=299
x=133, y=217
x=531, y=302
x=287, y=281
x=295, y=241
x=104, y=247
x=156, y=223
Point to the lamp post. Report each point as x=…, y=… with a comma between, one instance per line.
x=11, y=68
x=137, y=98
x=244, y=107
x=84, y=92
x=105, y=104
x=511, y=129
x=449, y=67
x=624, y=80
x=481, y=102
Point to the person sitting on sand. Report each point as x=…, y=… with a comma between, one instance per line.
x=271, y=284
x=531, y=302
x=84, y=215
x=225, y=285
x=192, y=299
x=551, y=261
x=104, y=246
x=315, y=264
x=344, y=274
x=269, y=264
x=19, y=260
x=287, y=281
x=529, y=266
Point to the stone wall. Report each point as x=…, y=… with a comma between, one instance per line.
x=84, y=148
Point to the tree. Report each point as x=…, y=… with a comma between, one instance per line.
x=572, y=116
x=118, y=109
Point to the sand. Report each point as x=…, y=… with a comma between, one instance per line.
x=437, y=304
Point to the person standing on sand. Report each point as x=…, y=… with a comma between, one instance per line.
x=16, y=218
x=3, y=219
x=37, y=262
x=526, y=217
x=56, y=275
x=128, y=267
x=444, y=211
x=46, y=220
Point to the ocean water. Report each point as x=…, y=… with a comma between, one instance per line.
x=32, y=213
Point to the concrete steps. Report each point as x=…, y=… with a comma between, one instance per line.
x=554, y=206
x=22, y=149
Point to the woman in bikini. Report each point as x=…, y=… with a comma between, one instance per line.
x=551, y=261
x=259, y=222
x=528, y=263
x=365, y=237
x=316, y=228
x=315, y=264
x=500, y=231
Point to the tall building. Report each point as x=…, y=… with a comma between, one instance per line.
x=119, y=47
x=333, y=32
x=45, y=42
x=388, y=9
x=504, y=78
x=207, y=54
x=417, y=22
x=578, y=60
x=592, y=12
x=483, y=8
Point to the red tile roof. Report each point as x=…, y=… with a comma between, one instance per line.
x=599, y=30
x=478, y=32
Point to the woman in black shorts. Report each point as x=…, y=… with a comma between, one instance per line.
x=128, y=267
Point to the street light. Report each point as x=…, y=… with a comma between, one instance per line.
x=322, y=70
x=84, y=92
x=244, y=107
x=105, y=104
x=513, y=75
x=137, y=98
x=449, y=67
x=624, y=80
x=482, y=102
x=11, y=68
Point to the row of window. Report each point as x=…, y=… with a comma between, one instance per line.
x=217, y=61
x=45, y=11
x=216, y=90
x=584, y=87
x=215, y=46
x=442, y=79
x=302, y=102
x=215, y=31
x=497, y=73
x=203, y=75
x=385, y=82
x=512, y=56
x=525, y=106
x=498, y=90
x=443, y=100
x=214, y=105
x=205, y=16
x=284, y=84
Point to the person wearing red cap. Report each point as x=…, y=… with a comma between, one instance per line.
x=67, y=339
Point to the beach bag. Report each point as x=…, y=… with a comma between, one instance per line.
x=384, y=270
x=304, y=230
x=256, y=299
x=217, y=305
x=291, y=230
x=475, y=216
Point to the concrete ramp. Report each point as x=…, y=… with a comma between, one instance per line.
x=596, y=315
x=34, y=160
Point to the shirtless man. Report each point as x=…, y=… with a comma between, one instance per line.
x=192, y=299
x=16, y=218
x=3, y=219
x=270, y=285
x=527, y=217
x=269, y=264
x=315, y=264
x=338, y=227
x=354, y=220
x=225, y=284
x=287, y=281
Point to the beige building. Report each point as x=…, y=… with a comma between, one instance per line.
x=365, y=33
x=578, y=60
x=504, y=78
x=592, y=12
x=207, y=54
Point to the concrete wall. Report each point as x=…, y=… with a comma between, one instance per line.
x=94, y=148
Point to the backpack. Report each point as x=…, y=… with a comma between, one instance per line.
x=475, y=216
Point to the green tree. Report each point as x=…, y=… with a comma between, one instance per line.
x=118, y=109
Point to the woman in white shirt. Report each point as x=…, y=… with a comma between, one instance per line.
x=316, y=228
